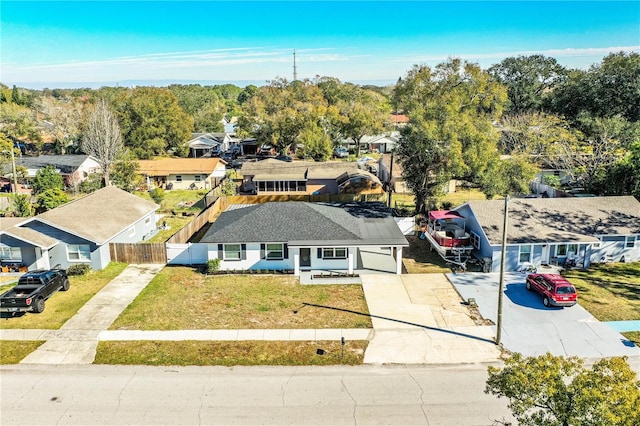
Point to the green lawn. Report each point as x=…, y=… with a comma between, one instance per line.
x=610, y=292
x=183, y=298
x=64, y=304
x=230, y=353
x=14, y=351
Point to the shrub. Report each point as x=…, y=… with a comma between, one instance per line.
x=213, y=265
x=80, y=269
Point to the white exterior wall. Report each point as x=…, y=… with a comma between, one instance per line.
x=613, y=249
x=252, y=261
x=187, y=254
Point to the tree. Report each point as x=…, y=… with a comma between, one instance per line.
x=50, y=199
x=528, y=80
x=450, y=132
x=315, y=144
x=608, y=89
x=45, y=179
x=152, y=122
x=102, y=137
x=551, y=390
x=125, y=173
x=22, y=205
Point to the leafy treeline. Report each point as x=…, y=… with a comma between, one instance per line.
x=493, y=128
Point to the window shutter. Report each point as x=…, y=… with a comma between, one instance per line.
x=286, y=251
x=220, y=252
x=319, y=253
x=262, y=247
x=243, y=249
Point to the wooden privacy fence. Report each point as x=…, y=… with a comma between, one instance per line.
x=138, y=253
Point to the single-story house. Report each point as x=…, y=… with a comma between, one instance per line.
x=378, y=143
x=182, y=173
x=79, y=231
x=203, y=144
x=553, y=230
x=304, y=177
x=301, y=236
x=74, y=169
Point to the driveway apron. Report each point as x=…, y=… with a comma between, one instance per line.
x=77, y=340
x=420, y=319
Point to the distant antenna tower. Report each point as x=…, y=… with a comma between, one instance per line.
x=295, y=70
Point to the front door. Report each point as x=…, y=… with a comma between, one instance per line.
x=544, y=256
x=305, y=257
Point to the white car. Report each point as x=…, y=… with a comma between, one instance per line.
x=341, y=152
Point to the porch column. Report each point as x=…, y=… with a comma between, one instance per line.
x=398, y=260
x=296, y=263
x=350, y=250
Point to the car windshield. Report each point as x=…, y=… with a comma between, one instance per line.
x=565, y=290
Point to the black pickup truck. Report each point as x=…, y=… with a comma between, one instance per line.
x=32, y=290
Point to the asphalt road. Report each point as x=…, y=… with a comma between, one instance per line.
x=363, y=395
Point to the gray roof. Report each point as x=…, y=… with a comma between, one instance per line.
x=271, y=169
x=66, y=163
x=99, y=216
x=540, y=220
x=309, y=224
x=10, y=226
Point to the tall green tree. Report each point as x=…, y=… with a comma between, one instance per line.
x=50, y=199
x=124, y=173
x=450, y=133
x=22, y=205
x=152, y=122
x=45, y=179
x=528, y=80
x=557, y=391
x=608, y=89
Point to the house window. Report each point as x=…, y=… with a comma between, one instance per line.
x=10, y=253
x=565, y=249
x=132, y=231
x=178, y=178
x=630, y=242
x=232, y=252
x=525, y=254
x=197, y=178
x=275, y=251
x=334, y=253
x=147, y=220
x=475, y=240
x=78, y=252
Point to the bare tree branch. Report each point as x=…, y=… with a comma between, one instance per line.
x=102, y=137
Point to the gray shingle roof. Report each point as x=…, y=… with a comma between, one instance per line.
x=99, y=216
x=538, y=220
x=65, y=162
x=302, y=223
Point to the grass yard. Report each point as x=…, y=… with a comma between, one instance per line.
x=407, y=201
x=14, y=351
x=64, y=304
x=230, y=353
x=610, y=292
x=419, y=259
x=183, y=298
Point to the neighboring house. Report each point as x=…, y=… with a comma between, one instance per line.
x=74, y=169
x=203, y=144
x=303, y=177
x=554, y=230
x=302, y=236
x=79, y=231
x=398, y=120
x=379, y=143
x=182, y=173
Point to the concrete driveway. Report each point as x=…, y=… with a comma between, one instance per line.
x=532, y=329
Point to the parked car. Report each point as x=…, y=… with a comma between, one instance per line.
x=286, y=158
x=32, y=290
x=554, y=288
x=216, y=151
x=341, y=152
x=228, y=156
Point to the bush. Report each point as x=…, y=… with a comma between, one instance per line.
x=157, y=195
x=80, y=269
x=213, y=265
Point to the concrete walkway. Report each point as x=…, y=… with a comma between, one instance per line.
x=76, y=341
x=420, y=319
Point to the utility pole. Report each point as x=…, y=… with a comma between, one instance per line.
x=295, y=70
x=390, y=184
x=503, y=257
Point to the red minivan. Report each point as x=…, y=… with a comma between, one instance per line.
x=554, y=288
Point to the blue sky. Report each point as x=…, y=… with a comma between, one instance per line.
x=80, y=43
